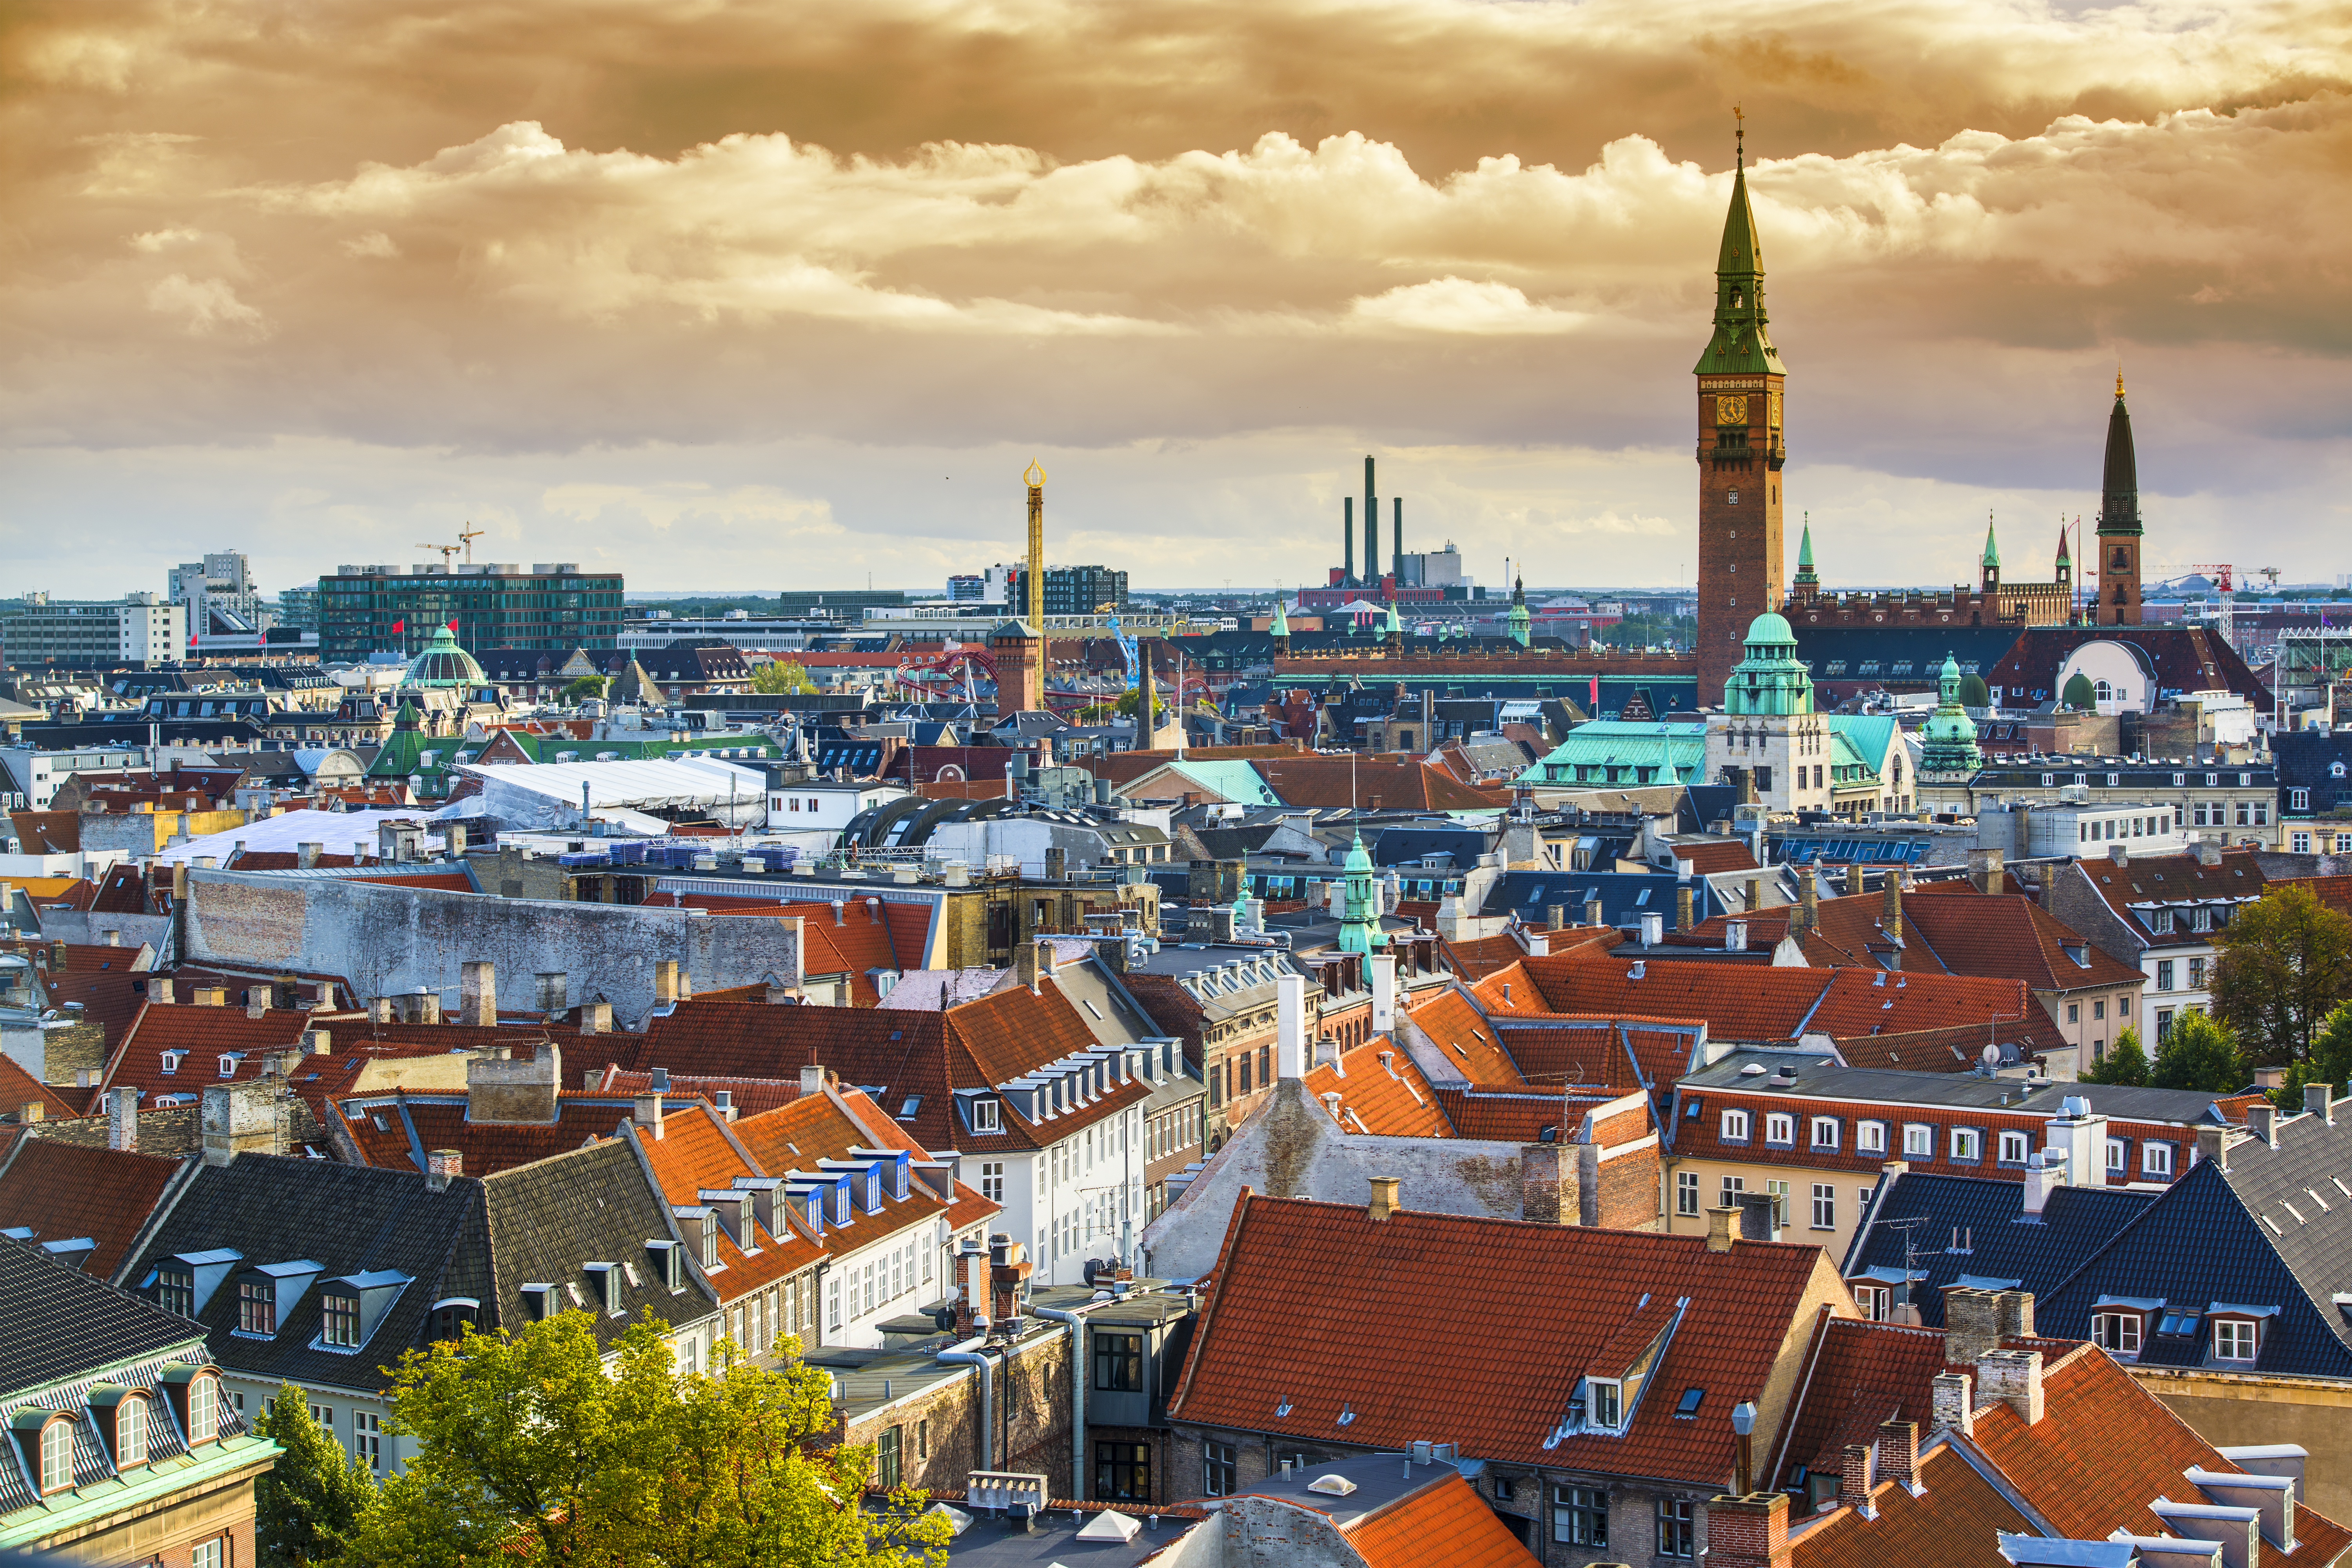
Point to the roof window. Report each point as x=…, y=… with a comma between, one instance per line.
x=1687, y=1406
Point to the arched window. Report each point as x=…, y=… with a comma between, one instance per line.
x=2105, y=692
x=129, y=1433
x=56, y=1456
x=203, y=1410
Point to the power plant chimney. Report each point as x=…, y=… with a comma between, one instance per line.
x=1347, y=541
x=1371, y=529
x=1397, y=537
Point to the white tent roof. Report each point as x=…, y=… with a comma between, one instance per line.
x=335, y=831
x=655, y=781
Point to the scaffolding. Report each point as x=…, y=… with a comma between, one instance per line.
x=2313, y=671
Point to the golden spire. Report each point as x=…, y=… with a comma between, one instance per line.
x=1739, y=135
x=2120, y=378
x=1035, y=474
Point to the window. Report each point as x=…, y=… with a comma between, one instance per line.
x=1217, y=1470
x=57, y=1456
x=1673, y=1527
x=1779, y=1126
x=1734, y=1127
x=341, y=1320
x=2197, y=971
x=2164, y=974
x=367, y=1439
x=1686, y=1192
x=1824, y=1206
x=2155, y=1160
x=1872, y=1301
x=2233, y=1339
x=985, y=1118
x=1119, y=1361
x=2073, y=1012
x=1733, y=1187
x=885, y=1459
x=1779, y=1192
x=1579, y=1516
x=1918, y=1141
x=2119, y=1156
x=2117, y=1333
x=1607, y=1403
x=1968, y=1143
x=1870, y=1138
x=175, y=1291
x=257, y=1307
x=2015, y=1148
x=2160, y=922
x=2200, y=918
x=1825, y=1132
x=2163, y=1025
x=129, y=1433
x=204, y=1409
x=2298, y=800
x=2099, y=1008
x=833, y=1301
x=992, y=1180
x=1123, y=1472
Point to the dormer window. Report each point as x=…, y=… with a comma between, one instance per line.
x=1870, y=1138
x=171, y=1061
x=203, y=1410
x=130, y=1432
x=228, y=1064
x=339, y=1321
x=2160, y=922
x=2236, y=1339
x=2118, y=1334
x=175, y=1291
x=1779, y=1126
x=1825, y=1133
x=257, y=1306
x=987, y=1116
x=1604, y=1404
x=1918, y=1141
x=1734, y=1127
x=57, y=1454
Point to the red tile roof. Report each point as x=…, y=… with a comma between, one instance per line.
x=1447, y=1525
x=101, y=978
x=1861, y=1375
x=2171, y=878
x=1463, y=1035
x=439, y=1121
x=860, y=943
x=202, y=1039
x=62, y=1191
x=1716, y=854
x=918, y=1056
x=749, y=1096
x=692, y=1151
x=1521, y=1116
x=1549, y=1299
x=1391, y=783
x=1956, y=1524
x=1389, y=1098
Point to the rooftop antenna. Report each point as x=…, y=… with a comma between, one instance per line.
x=1739, y=156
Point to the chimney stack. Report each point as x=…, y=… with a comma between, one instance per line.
x=1719, y=1223
x=477, y=993
x=1898, y=1453
x=123, y=1119
x=1985, y=873
x=967, y=1259
x=306, y=855
x=664, y=982
x=649, y=1112
x=1855, y=1479
x=1971, y=1324
x=2013, y=1377
x=811, y=1079
x=1387, y=1196
x=2262, y=1120
x=159, y=988
x=1385, y=994
x=2318, y=1099
x=1758, y=1217
x=1953, y=1402
x=1808, y=903
x=439, y=1166
x=1890, y=914
x=1290, y=1027
x=1593, y=910
x=1025, y=965
x=1684, y=919
x=1749, y=1531
x=515, y=1091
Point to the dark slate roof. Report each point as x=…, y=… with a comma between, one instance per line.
x=2272, y=1230
x=1913, y=1223
x=550, y=1218
x=1400, y=846
x=1976, y=647
x=56, y=1322
x=1528, y=894
x=350, y=1219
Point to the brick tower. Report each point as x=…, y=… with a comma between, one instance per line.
x=2119, y=527
x=1741, y=451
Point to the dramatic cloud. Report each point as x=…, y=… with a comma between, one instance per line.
x=784, y=292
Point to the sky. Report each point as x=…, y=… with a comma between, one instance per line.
x=738, y=297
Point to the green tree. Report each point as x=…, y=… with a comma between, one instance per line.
x=2201, y=1054
x=783, y=678
x=2285, y=962
x=2125, y=1062
x=2330, y=1061
x=1974, y=692
x=587, y=686
x=1131, y=699
x=306, y=1505
x=532, y=1450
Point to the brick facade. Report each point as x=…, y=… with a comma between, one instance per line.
x=1741, y=448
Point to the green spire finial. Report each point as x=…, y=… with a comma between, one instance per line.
x=1805, y=545
x=1992, y=549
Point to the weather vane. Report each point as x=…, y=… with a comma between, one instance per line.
x=1740, y=132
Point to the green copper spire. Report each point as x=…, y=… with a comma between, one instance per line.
x=1395, y=627
x=1740, y=345
x=1993, y=547
x=1805, y=546
x=1521, y=632
x=1359, y=903
x=1281, y=623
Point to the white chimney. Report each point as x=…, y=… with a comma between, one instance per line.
x=1384, y=991
x=2044, y=1175
x=1735, y=936
x=1653, y=928
x=2079, y=1134
x=1291, y=1026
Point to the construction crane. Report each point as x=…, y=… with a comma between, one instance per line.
x=446, y=551
x=2224, y=578
x=466, y=537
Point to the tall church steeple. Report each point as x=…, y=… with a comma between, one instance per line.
x=1741, y=447
x=2119, y=519
x=1988, y=564
x=1807, y=582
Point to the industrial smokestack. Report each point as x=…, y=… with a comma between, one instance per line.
x=1371, y=528
x=1397, y=537
x=1347, y=541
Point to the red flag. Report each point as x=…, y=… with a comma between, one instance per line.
x=453, y=627
x=401, y=624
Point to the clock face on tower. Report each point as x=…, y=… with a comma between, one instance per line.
x=1732, y=411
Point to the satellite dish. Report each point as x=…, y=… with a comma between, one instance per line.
x=1990, y=1056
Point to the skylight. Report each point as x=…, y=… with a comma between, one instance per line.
x=1689, y=1402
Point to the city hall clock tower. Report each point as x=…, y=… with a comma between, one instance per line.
x=1741, y=448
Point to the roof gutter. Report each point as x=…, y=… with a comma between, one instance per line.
x=962, y=1356
x=1077, y=1325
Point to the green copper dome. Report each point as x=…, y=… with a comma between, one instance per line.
x=1772, y=678
x=1359, y=903
x=444, y=664
x=1947, y=741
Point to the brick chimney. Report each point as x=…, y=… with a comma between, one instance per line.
x=159, y=989
x=1890, y=914
x=1985, y=870
x=649, y=1112
x=1721, y=1224
x=1749, y=1531
x=123, y=1119
x=2013, y=1377
x=1008, y=1267
x=1898, y=1453
x=256, y=1001
x=1953, y=1400
x=440, y=1165
x=1684, y=919
x=477, y=993
x=664, y=982
x=1971, y=1324
x=1387, y=1196
x=519, y=1092
x=1856, y=1478
x=1026, y=964
x=1593, y=911
x=2014, y=1309
x=1808, y=903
